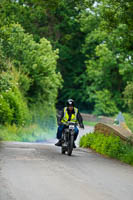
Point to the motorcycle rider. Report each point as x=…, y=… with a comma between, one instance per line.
x=71, y=114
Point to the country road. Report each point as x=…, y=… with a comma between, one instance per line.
x=40, y=172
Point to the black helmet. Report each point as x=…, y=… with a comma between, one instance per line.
x=70, y=102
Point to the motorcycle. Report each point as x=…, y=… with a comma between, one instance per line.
x=68, y=138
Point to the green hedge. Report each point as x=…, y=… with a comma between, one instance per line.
x=13, y=108
x=111, y=146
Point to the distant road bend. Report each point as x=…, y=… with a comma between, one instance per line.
x=40, y=172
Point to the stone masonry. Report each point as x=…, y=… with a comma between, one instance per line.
x=122, y=131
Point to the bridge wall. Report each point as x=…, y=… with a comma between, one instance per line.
x=121, y=131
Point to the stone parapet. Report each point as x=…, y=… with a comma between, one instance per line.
x=121, y=131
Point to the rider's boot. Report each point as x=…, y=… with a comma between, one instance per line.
x=74, y=145
x=59, y=143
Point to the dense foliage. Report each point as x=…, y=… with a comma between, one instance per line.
x=111, y=146
x=88, y=44
x=28, y=82
x=56, y=21
x=36, y=60
x=108, y=54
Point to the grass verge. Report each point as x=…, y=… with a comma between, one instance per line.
x=31, y=133
x=111, y=146
x=88, y=123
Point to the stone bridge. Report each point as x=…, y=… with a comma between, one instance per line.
x=105, y=125
x=122, y=131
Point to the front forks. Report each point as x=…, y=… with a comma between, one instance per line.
x=67, y=138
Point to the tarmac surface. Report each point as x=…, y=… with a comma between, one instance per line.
x=38, y=171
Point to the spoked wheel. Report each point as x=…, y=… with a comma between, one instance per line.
x=70, y=146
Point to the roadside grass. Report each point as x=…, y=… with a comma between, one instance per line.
x=111, y=146
x=89, y=123
x=31, y=133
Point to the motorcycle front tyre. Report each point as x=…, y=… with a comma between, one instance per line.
x=63, y=150
x=70, y=145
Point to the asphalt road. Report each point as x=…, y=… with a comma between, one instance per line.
x=41, y=172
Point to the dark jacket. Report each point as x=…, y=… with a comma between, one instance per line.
x=79, y=117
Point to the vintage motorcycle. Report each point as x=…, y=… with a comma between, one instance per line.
x=68, y=138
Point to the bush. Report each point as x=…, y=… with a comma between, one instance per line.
x=17, y=106
x=13, y=107
x=128, y=96
x=129, y=120
x=6, y=113
x=111, y=146
x=128, y=157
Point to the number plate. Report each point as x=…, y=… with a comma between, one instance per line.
x=71, y=126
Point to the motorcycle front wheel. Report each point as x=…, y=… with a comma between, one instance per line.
x=63, y=150
x=70, y=146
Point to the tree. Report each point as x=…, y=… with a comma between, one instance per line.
x=128, y=96
x=56, y=21
x=36, y=60
x=107, y=49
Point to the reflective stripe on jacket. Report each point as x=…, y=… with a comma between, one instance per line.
x=66, y=116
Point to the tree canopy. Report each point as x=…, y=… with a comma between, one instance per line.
x=34, y=67
x=87, y=43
